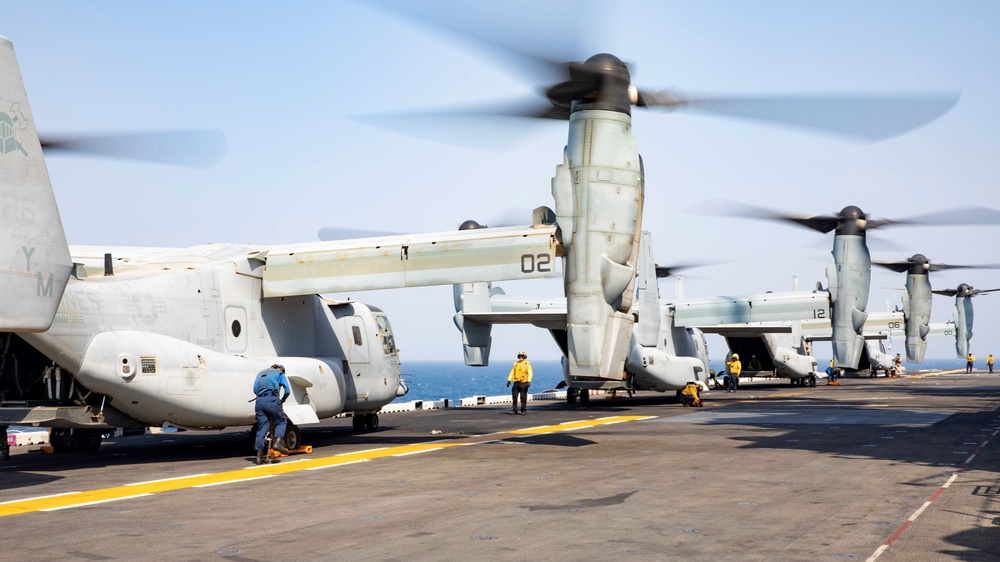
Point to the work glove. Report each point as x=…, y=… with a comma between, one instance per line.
x=508, y=384
x=283, y=398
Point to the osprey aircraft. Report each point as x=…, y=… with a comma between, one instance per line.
x=102, y=337
x=917, y=300
x=963, y=314
x=849, y=269
x=146, y=336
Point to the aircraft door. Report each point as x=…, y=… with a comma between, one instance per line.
x=358, y=339
x=236, y=329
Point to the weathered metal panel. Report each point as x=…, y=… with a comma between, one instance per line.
x=34, y=258
x=445, y=258
x=768, y=307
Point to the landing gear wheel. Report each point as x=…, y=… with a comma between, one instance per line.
x=371, y=422
x=293, y=436
x=359, y=422
x=812, y=381
x=75, y=440
x=584, y=397
x=572, y=394
x=61, y=440
x=87, y=440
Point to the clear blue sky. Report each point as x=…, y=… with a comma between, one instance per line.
x=283, y=80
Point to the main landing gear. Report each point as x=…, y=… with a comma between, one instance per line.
x=365, y=422
x=810, y=380
x=65, y=440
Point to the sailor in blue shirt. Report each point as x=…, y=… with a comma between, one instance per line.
x=266, y=386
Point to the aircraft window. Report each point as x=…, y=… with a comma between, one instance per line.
x=237, y=329
x=388, y=341
x=357, y=334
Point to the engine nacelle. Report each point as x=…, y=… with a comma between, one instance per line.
x=653, y=369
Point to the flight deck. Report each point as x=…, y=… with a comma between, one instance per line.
x=874, y=469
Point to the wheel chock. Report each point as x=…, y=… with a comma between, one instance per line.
x=306, y=449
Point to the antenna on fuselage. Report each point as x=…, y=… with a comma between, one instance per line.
x=109, y=266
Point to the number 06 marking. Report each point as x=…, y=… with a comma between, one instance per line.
x=541, y=263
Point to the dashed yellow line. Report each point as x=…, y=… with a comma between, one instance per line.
x=141, y=489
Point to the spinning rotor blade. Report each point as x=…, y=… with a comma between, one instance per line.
x=604, y=80
x=507, y=217
x=725, y=207
x=963, y=216
x=663, y=271
x=868, y=117
x=193, y=149
x=963, y=289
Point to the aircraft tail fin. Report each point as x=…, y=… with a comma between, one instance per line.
x=648, y=301
x=35, y=263
x=476, y=336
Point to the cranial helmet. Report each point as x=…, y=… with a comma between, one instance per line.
x=522, y=354
x=736, y=356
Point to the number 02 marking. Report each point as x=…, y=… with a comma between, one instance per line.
x=541, y=263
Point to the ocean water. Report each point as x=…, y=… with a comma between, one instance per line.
x=433, y=380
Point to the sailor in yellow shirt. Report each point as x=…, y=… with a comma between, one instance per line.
x=689, y=396
x=734, y=367
x=969, y=360
x=989, y=363
x=520, y=375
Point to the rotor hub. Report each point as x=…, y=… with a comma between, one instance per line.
x=852, y=220
x=602, y=82
x=919, y=264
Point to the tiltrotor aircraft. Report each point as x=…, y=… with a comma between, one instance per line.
x=917, y=300
x=171, y=336
x=963, y=314
x=661, y=356
x=100, y=337
x=849, y=270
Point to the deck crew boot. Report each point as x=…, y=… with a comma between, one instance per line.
x=260, y=457
x=279, y=445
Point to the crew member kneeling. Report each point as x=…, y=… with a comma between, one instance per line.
x=689, y=396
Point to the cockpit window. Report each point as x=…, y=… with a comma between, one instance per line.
x=385, y=331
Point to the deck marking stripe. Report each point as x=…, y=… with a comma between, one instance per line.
x=95, y=502
x=39, y=498
x=73, y=499
x=210, y=484
x=336, y=465
x=166, y=479
x=418, y=452
x=954, y=476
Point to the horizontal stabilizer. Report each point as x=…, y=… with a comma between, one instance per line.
x=540, y=318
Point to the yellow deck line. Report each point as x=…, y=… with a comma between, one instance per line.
x=139, y=489
x=952, y=372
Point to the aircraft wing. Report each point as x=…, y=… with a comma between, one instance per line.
x=547, y=319
x=878, y=326
x=766, y=307
x=462, y=256
x=746, y=330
